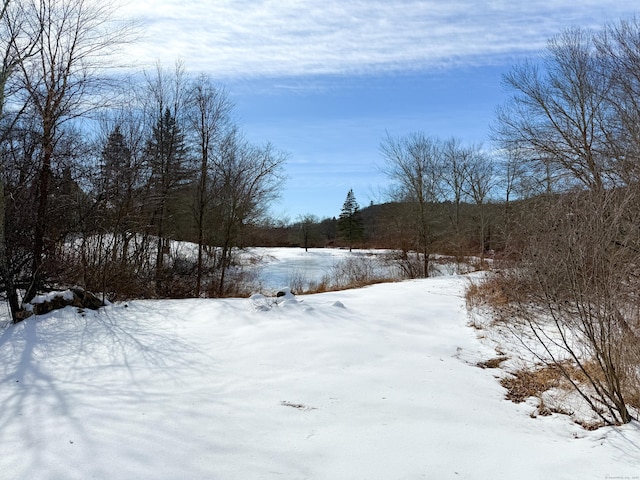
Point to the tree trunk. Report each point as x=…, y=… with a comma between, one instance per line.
x=41, y=222
x=5, y=269
x=223, y=269
x=201, y=207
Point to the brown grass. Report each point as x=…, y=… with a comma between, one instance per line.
x=593, y=371
x=531, y=383
x=323, y=287
x=491, y=291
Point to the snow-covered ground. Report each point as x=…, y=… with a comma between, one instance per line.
x=374, y=383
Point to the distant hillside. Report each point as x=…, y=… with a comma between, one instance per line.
x=453, y=229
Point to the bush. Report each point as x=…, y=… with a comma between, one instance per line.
x=575, y=293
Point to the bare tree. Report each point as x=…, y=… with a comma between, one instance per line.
x=209, y=120
x=513, y=178
x=62, y=83
x=250, y=178
x=558, y=113
x=619, y=52
x=480, y=182
x=414, y=165
x=456, y=163
x=308, y=228
x=18, y=42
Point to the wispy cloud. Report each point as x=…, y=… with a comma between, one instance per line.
x=305, y=37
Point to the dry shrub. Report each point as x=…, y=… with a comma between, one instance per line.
x=581, y=262
x=320, y=286
x=409, y=264
x=239, y=282
x=298, y=282
x=587, y=425
x=633, y=396
x=351, y=272
x=325, y=285
x=565, y=375
x=532, y=383
x=493, y=292
x=592, y=371
x=354, y=271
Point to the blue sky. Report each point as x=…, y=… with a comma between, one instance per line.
x=325, y=80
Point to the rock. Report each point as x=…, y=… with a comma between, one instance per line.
x=22, y=315
x=87, y=299
x=285, y=292
x=76, y=297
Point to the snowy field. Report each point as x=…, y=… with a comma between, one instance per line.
x=374, y=383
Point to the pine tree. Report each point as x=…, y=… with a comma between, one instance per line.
x=350, y=225
x=115, y=168
x=118, y=189
x=167, y=159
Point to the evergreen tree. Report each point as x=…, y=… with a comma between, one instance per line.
x=167, y=160
x=350, y=225
x=118, y=188
x=115, y=167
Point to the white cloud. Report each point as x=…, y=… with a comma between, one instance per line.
x=235, y=38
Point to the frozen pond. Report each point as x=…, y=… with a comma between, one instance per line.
x=280, y=267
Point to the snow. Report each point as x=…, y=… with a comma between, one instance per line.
x=280, y=265
x=373, y=383
x=48, y=297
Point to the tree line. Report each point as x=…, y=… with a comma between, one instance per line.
x=100, y=170
x=441, y=198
